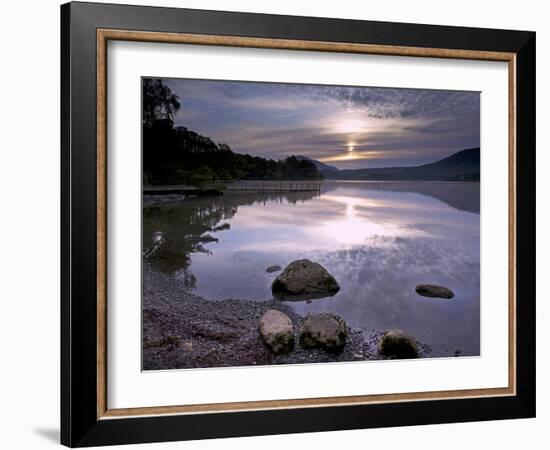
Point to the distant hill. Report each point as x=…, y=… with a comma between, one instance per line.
x=324, y=169
x=460, y=166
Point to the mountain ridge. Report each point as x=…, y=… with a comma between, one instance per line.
x=463, y=165
x=321, y=167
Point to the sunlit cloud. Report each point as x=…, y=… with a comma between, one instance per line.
x=352, y=155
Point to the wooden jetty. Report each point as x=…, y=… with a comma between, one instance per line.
x=272, y=185
x=182, y=190
x=219, y=186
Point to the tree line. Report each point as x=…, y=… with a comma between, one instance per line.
x=176, y=155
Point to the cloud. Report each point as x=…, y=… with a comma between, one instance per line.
x=384, y=125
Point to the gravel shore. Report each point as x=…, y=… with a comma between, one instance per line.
x=182, y=330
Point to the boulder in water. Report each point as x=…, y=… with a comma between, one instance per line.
x=434, y=291
x=303, y=279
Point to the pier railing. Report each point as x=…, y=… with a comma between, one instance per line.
x=217, y=187
x=271, y=185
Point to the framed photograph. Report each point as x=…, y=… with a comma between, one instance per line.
x=276, y=224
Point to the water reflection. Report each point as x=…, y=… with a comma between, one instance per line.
x=460, y=195
x=186, y=226
x=379, y=239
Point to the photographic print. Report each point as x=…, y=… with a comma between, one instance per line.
x=295, y=223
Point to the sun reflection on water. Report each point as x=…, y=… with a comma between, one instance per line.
x=356, y=224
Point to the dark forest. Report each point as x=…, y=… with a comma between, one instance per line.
x=176, y=155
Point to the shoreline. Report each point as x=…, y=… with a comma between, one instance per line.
x=182, y=330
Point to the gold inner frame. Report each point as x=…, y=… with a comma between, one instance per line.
x=104, y=35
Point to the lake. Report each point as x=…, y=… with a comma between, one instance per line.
x=378, y=239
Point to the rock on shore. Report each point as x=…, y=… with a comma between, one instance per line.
x=277, y=331
x=304, y=279
x=182, y=330
x=324, y=330
x=396, y=344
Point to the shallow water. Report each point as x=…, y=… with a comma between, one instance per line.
x=379, y=240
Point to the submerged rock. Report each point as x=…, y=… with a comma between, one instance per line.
x=303, y=279
x=324, y=330
x=277, y=331
x=434, y=291
x=271, y=269
x=396, y=344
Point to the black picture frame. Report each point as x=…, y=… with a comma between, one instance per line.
x=80, y=425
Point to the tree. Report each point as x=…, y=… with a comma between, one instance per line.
x=177, y=155
x=159, y=102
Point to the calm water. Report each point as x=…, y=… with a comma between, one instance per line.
x=379, y=240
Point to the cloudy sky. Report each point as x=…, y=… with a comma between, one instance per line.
x=347, y=127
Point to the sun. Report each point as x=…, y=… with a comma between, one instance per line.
x=351, y=125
